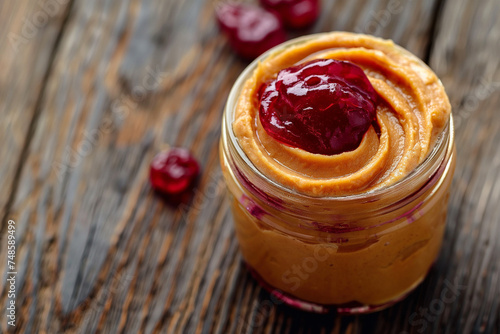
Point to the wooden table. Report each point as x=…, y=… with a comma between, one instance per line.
x=91, y=90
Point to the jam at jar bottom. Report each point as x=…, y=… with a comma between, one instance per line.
x=352, y=308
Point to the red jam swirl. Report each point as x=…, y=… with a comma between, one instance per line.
x=323, y=106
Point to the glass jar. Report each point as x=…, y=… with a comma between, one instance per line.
x=352, y=254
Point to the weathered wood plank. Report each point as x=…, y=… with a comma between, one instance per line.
x=99, y=252
x=28, y=34
x=464, y=56
x=70, y=231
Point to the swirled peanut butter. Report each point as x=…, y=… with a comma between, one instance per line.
x=412, y=110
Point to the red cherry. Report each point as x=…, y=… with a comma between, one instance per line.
x=324, y=106
x=295, y=14
x=173, y=172
x=251, y=30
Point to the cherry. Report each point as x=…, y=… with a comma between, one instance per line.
x=323, y=106
x=296, y=14
x=173, y=172
x=251, y=30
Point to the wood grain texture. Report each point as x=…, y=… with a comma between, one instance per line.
x=29, y=33
x=463, y=56
x=99, y=252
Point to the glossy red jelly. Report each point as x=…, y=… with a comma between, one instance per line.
x=250, y=30
x=173, y=172
x=324, y=106
x=295, y=14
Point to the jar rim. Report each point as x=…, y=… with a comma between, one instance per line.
x=442, y=146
